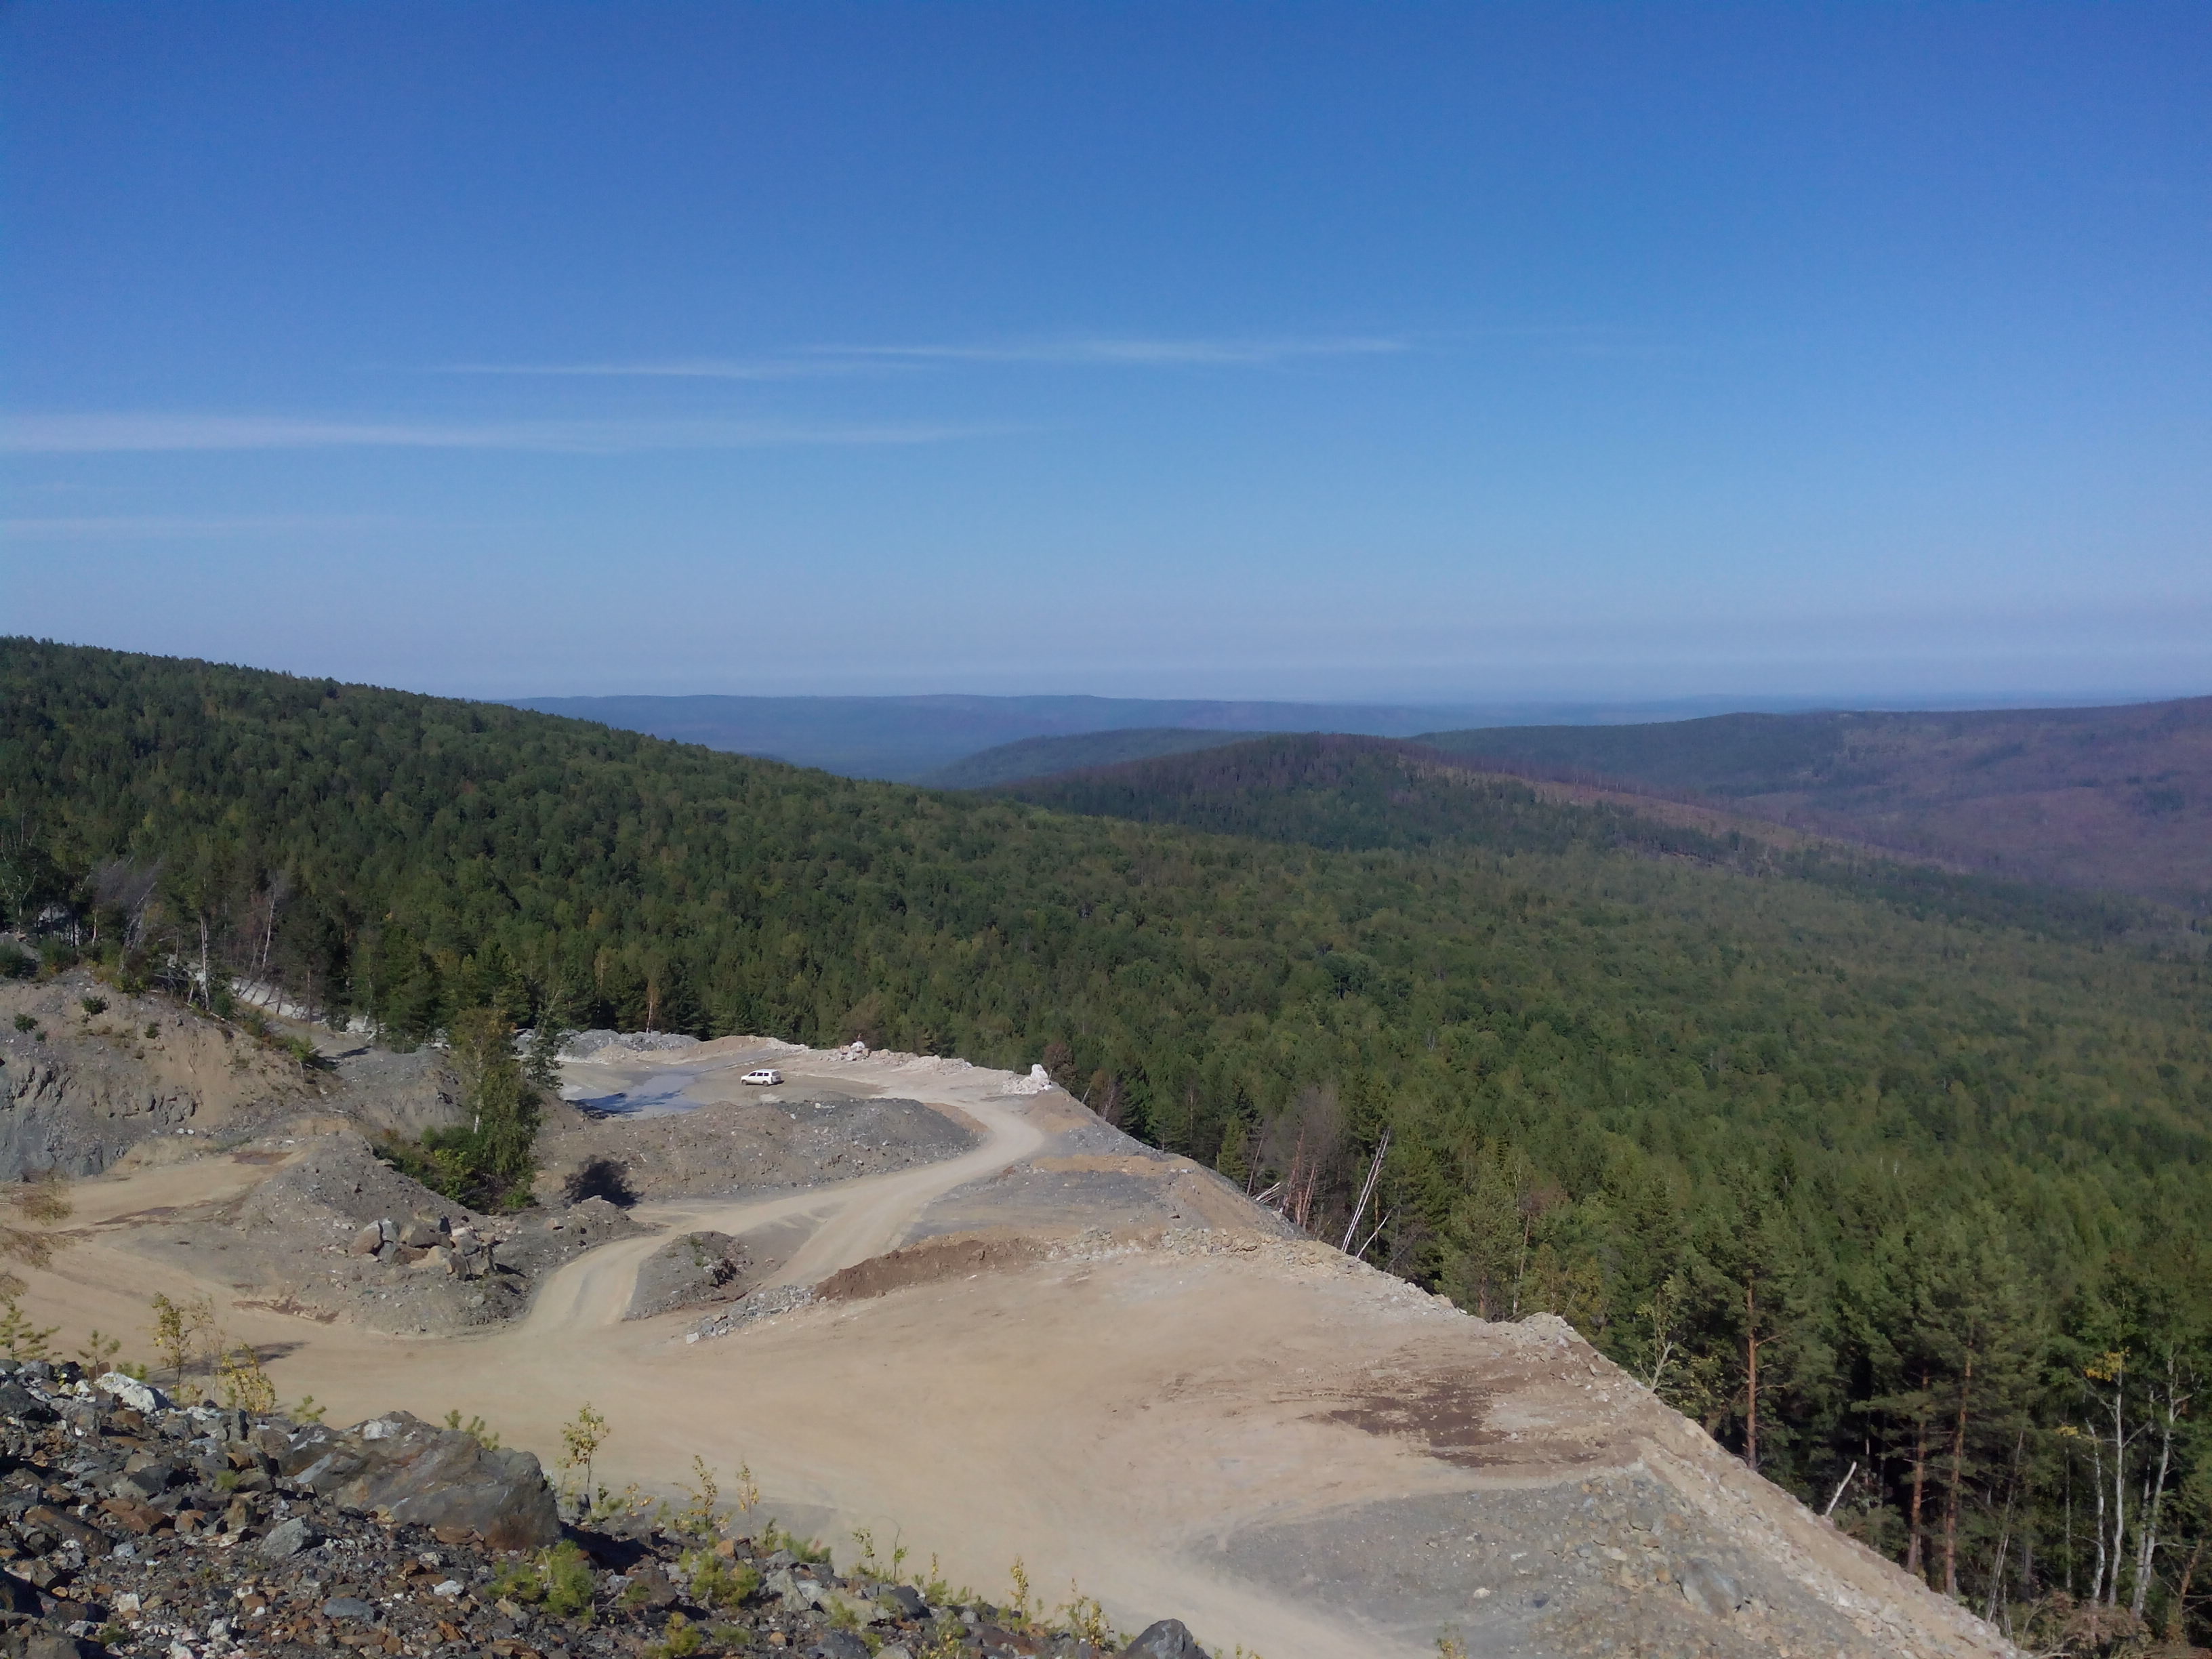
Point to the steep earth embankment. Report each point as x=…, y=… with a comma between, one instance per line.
x=1058, y=1346
x=89, y=1075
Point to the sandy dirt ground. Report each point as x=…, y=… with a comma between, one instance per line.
x=1285, y=1449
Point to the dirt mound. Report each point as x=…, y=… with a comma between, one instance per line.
x=387, y=1092
x=338, y=1183
x=1088, y=1176
x=297, y=1241
x=593, y=1045
x=694, y=1270
x=925, y=1263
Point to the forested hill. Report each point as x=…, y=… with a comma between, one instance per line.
x=1923, y=1166
x=2118, y=797
x=1352, y=793
x=1037, y=757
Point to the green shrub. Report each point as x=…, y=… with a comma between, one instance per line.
x=19, y=1338
x=568, y=1581
x=91, y=1005
x=812, y=1550
x=720, y=1584
x=683, y=1639
x=518, y=1581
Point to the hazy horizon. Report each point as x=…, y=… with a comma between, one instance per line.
x=1688, y=704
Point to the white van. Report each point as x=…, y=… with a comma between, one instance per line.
x=764, y=1074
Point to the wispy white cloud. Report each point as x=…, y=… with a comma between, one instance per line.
x=97, y=434
x=810, y=361
x=1130, y=353
x=167, y=527
x=679, y=369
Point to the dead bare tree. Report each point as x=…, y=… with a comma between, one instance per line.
x=121, y=885
x=1367, y=1193
x=1298, y=1153
x=274, y=892
x=1104, y=1096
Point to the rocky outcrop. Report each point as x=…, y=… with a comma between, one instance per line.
x=57, y=1113
x=92, y=1073
x=407, y=1472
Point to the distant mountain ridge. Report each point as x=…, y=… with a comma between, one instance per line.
x=1039, y=757
x=2118, y=797
x=905, y=739
x=908, y=739
x=1346, y=794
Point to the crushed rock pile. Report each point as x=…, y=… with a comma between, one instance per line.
x=130, y=1526
x=690, y=1271
x=587, y=1045
x=749, y=1144
x=337, y=1230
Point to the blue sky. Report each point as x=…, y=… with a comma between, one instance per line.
x=1851, y=351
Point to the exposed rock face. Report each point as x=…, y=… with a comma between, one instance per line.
x=697, y=1270
x=410, y=1474
x=80, y=1089
x=58, y=1114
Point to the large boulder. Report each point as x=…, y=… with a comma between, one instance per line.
x=409, y=1472
x=128, y=1391
x=1170, y=1639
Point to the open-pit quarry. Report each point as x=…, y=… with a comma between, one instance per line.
x=950, y=1307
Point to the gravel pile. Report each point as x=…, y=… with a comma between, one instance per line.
x=584, y=1045
x=337, y=1230
x=131, y=1527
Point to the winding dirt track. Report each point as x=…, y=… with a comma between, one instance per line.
x=852, y=1221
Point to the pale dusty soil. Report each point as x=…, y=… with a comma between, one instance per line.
x=1287, y=1449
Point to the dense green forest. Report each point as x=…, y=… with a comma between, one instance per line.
x=1356, y=794
x=1893, y=1179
